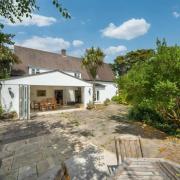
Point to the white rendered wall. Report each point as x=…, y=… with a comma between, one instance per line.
x=88, y=95
x=10, y=98
x=107, y=92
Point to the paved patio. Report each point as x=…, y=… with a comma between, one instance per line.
x=34, y=154
x=29, y=149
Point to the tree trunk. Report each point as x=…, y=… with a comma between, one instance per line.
x=94, y=93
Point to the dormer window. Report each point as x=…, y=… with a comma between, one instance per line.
x=37, y=71
x=33, y=71
x=77, y=75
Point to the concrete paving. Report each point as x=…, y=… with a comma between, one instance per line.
x=31, y=149
x=38, y=152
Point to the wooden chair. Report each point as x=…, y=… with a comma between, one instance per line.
x=49, y=103
x=54, y=104
x=43, y=105
x=35, y=105
x=128, y=148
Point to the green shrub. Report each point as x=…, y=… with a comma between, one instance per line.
x=115, y=98
x=154, y=87
x=144, y=114
x=107, y=102
x=151, y=117
x=120, y=99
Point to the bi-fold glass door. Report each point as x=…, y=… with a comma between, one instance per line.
x=24, y=102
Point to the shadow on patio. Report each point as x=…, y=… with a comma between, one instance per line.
x=126, y=126
x=21, y=131
x=17, y=131
x=89, y=164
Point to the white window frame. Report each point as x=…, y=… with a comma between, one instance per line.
x=77, y=75
x=33, y=70
x=37, y=71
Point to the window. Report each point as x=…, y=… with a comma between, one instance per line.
x=77, y=75
x=33, y=71
x=41, y=93
x=97, y=95
x=37, y=71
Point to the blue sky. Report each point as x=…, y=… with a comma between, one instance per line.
x=116, y=26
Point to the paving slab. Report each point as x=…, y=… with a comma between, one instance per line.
x=28, y=173
x=92, y=163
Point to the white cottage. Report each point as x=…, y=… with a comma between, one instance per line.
x=45, y=81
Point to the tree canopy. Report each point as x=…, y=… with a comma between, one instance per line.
x=155, y=83
x=17, y=9
x=124, y=63
x=7, y=57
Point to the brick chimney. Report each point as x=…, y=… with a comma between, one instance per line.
x=63, y=52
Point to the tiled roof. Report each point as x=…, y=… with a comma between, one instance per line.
x=47, y=60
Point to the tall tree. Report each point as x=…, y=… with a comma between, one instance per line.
x=122, y=64
x=7, y=57
x=92, y=60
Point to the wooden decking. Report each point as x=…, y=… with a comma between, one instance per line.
x=147, y=168
x=131, y=164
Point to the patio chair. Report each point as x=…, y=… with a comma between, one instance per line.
x=128, y=148
x=35, y=105
x=43, y=105
x=54, y=104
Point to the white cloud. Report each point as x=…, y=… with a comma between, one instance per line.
x=77, y=52
x=176, y=14
x=37, y=20
x=45, y=43
x=114, y=50
x=128, y=30
x=77, y=43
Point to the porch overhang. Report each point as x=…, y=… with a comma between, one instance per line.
x=52, y=78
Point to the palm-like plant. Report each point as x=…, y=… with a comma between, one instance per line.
x=92, y=60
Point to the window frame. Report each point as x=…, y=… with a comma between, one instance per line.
x=33, y=70
x=97, y=96
x=41, y=93
x=77, y=75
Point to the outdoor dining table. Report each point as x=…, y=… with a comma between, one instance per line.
x=146, y=169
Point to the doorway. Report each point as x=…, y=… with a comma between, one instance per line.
x=78, y=95
x=59, y=97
